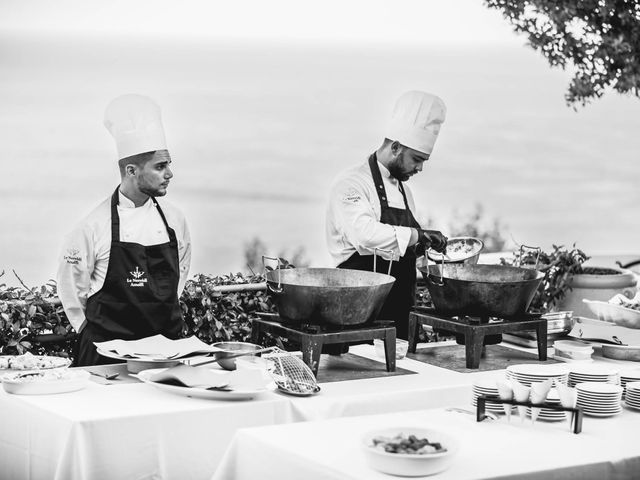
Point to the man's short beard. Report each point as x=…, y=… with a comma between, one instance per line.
x=153, y=192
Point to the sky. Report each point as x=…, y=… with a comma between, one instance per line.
x=412, y=21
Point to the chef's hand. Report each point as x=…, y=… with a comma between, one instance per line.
x=433, y=239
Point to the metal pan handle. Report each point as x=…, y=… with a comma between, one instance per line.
x=271, y=288
x=535, y=249
x=441, y=282
x=375, y=257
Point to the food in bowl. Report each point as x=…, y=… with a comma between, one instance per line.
x=409, y=451
x=458, y=249
x=233, y=348
x=403, y=443
x=28, y=361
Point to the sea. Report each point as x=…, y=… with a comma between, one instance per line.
x=258, y=130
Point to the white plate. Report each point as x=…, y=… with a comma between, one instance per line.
x=70, y=381
x=610, y=312
x=534, y=370
x=146, y=375
x=599, y=388
x=593, y=370
x=599, y=414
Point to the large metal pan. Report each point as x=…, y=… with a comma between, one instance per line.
x=328, y=295
x=481, y=290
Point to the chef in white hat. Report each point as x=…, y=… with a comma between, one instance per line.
x=124, y=266
x=370, y=206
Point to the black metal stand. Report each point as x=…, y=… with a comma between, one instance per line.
x=576, y=413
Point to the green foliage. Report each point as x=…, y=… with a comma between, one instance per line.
x=599, y=39
x=557, y=266
x=25, y=314
x=216, y=317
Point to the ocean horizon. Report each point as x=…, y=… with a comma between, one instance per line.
x=258, y=130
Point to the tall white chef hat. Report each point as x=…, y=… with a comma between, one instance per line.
x=416, y=120
x=135, y=123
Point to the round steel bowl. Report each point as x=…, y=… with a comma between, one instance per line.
x=481, y=290
x=233, y=348
x=328, y=295
x=459, y=250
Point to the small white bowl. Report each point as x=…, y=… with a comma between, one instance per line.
x=402, y=346
x=410, y=465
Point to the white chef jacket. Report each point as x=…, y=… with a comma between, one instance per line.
x=353, y=215
x=84, y=258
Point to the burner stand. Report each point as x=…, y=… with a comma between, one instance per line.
x=312, y=338
x=474, y=333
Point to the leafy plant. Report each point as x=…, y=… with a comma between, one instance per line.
x=214, y=316
x=25, y=314
x=599, y=39
x=557, y=265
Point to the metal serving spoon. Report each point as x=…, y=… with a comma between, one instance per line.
x=107, y=376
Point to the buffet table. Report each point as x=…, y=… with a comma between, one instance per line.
x=119, y=430
x=332, y=449
x=135, y=431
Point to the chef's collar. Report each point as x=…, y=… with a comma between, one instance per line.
x=125, y=202
x=384, y=171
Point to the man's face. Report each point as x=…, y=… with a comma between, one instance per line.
x=153, y=178
x=406, y=162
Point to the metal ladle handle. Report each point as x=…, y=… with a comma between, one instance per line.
x=277, y=289
x=375, y=257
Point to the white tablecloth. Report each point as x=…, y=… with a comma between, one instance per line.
x=135, y=431
x=608, y=448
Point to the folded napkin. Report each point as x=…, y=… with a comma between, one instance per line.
x=157, y=347
x=205, y=377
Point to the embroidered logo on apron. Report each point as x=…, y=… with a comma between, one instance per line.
x=137, y=279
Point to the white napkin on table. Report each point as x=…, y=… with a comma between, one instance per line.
x=157, y=347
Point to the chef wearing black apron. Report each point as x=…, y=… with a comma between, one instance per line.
x=124, y=265
x=139, y=297
x=360, y=213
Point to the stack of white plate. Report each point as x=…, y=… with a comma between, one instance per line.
x=548, y=414
x=488, y=388
x=593, y=373
x=627, y=376
x=633, y=395
x=599, y=399
x=528, y=373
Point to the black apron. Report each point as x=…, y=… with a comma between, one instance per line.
x=402, y=295
x=139, y=297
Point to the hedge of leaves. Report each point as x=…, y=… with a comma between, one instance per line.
x=28, y=313
x=215, y=317
x=25, y=314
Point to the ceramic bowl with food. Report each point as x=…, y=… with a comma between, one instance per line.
x=233, y=348
x=409, y=451
x=612, y=313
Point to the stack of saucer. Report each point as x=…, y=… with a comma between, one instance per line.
x=548, y=414
x=599, y=399
x=487, y=388
x=633, y=395
x=593, y=373
x=627, y=376
x=527, y=374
